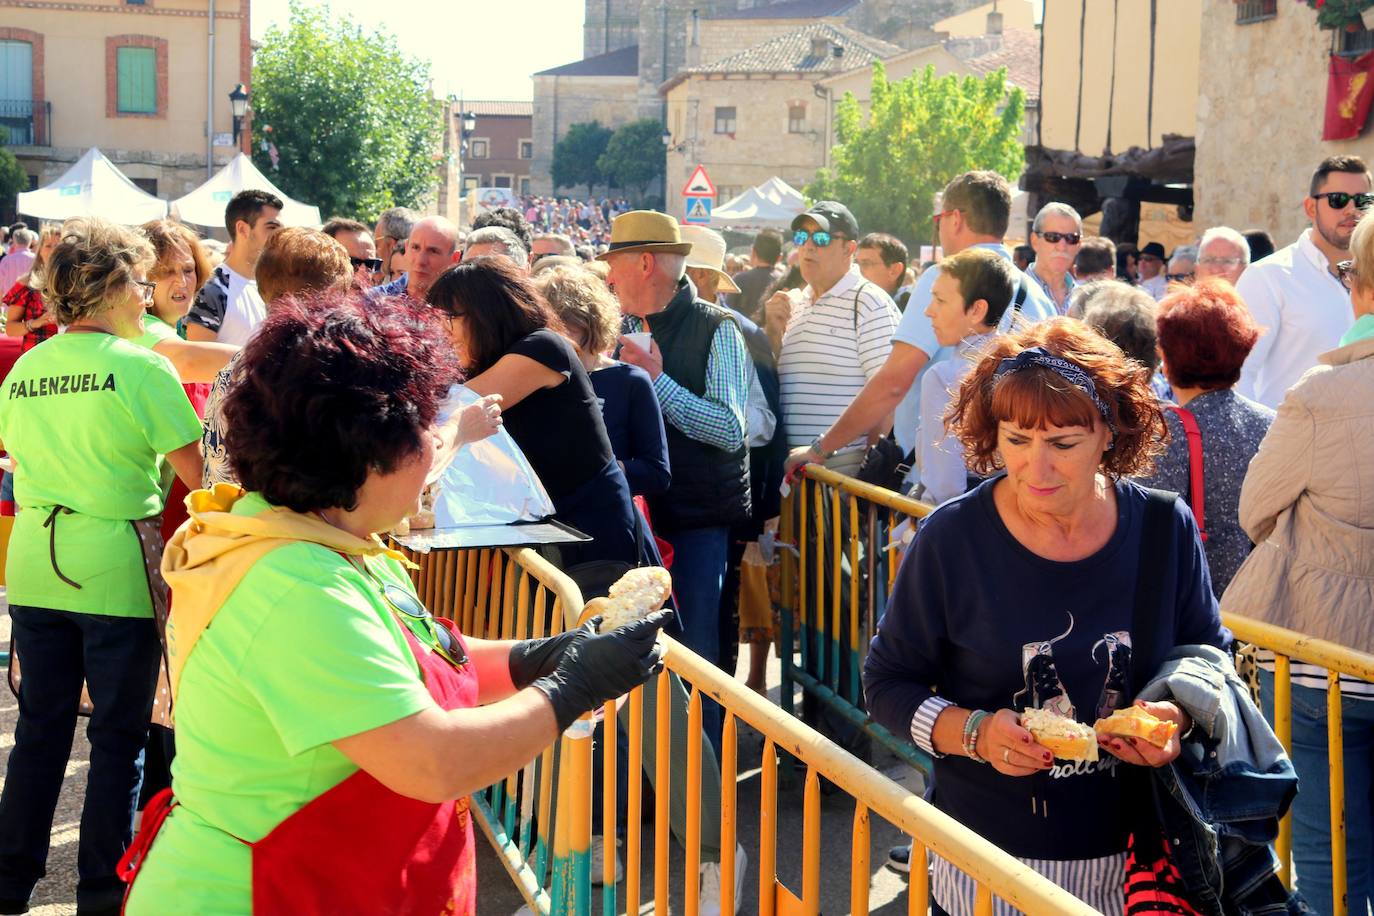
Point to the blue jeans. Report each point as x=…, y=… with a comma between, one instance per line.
x=1312, y=808
x=118, y=659
x=699, y=558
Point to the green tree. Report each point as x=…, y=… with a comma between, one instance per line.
x=635, y=155
x=575, y=157
x=353, y=119
x=919, y=133
x=13, y=178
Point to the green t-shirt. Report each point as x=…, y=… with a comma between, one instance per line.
x=303, y=652
x=155, y=331
x=88, y=418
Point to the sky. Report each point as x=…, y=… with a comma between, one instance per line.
x=477, y=49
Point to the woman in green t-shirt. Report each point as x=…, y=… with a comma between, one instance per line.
x=89, y=418
x=329, y=728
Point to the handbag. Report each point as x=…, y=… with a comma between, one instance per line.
x=1153, y=885
x=885, y=464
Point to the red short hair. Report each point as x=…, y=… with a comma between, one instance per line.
x=1206, y=333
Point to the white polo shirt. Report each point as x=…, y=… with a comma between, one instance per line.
x=1302, y=311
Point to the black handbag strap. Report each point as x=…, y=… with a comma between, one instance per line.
x=1156, y=544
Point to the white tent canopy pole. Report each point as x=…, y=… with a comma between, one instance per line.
x=93, y=187
x=205, y=205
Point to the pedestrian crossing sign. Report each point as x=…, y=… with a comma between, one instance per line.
x=699, y=210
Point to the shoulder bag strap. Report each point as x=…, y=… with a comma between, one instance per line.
x=1021, y=293
x=1156, y=544
x=1195, y=479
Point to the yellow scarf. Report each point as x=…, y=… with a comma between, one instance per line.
x=214, y=549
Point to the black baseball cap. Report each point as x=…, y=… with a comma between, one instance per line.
x=832, y=217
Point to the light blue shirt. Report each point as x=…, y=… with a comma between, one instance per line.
x=915, y=330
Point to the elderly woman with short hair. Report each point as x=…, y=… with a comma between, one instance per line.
x=1205, y=333
x=1308, y=504
x=1017, y=596
x=1125, y=315
x=80, y=591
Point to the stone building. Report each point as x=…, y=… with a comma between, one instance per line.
x=131, y=78
x=1118, y=112
x=648, y=42
x=1260, y=112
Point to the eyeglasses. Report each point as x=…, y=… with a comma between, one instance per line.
x=939, y=216
x=1214, y=261
x=1339, y=200
x=820, y=237
x=147, y=288
x=1348, y=273
x=369, y=263
x=1179, y=278
x=1150, y=258
x=1054, y=238
x=406, y=603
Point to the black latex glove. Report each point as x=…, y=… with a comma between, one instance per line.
x=531, y=659
x=600, y=668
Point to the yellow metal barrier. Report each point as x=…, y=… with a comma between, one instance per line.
x=1288, y=645
x=837, y=573
x=538, y=820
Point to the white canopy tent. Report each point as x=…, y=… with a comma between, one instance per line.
x=205, y=205
x=93, y=187
x=771, y=205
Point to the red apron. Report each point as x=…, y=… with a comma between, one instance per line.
x=360, y=847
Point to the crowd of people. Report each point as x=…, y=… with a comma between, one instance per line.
x=293, y=398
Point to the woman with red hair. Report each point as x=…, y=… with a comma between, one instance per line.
x=1205, y=333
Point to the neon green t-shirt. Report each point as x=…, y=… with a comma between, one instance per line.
x=88, y=418
x=155, y=331
x=303, y=652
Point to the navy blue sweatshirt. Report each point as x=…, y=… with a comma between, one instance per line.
x=634, y=424
x=985, y=623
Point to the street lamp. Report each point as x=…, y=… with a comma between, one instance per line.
x=238, y=104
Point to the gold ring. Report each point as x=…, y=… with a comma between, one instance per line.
x=1006, y=755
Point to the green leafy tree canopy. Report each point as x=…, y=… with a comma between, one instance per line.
x=13, y=178
x=353, y=119
x=575, y=157
x=919, y=133
x=635, y=155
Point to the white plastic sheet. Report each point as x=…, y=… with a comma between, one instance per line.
x=93, y=187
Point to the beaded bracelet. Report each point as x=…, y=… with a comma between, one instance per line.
x=970, y=740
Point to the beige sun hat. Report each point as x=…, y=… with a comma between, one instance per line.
x=645, y=230
x=708, y=253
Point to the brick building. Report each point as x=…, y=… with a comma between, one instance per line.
x=131, y=77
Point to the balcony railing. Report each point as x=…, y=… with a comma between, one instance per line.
x=25, y=123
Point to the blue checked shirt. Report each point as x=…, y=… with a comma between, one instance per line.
x=718, y=417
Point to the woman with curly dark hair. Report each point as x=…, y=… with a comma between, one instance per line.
x=329, y=728
x=1016, y=596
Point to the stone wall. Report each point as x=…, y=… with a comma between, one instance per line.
x=562, y=101
x=1259, y=119
x=609, y=25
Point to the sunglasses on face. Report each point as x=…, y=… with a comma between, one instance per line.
x=369, y=263
x=1348, y=273
x=1179, y=278
x=1054, y=238
x=406, y=603
x=820, y=237
x=1339, y=200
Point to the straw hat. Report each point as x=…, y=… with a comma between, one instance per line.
x=708, y=253
x=645, y=230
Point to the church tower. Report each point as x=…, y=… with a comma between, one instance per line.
x=609, y=25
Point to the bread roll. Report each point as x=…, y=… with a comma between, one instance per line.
x=1065, y=738
x=1135, y=722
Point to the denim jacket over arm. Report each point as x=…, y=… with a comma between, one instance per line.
x=1220, y=802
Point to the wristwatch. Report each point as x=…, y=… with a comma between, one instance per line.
x=815, y=446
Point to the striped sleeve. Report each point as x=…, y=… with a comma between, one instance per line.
x=877, y=324
x=923, y=723
x=717, y=417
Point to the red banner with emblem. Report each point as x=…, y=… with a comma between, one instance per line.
x=1349, y=92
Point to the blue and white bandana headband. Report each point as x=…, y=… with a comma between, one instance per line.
x=1069, y=372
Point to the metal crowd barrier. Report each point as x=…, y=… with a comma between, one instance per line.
x=828, y=613
x=539, y=820
x=1338, y=660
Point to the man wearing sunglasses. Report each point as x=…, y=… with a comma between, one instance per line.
x=362, y=250
x=1056, y=236
x=1294, y=294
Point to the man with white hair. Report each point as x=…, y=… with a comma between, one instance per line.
x=499, y=242
x=429, y=251
x=700, y=366
x=1056, y=236
x=1223, y=252
x=551, y=243
x=1182, y=264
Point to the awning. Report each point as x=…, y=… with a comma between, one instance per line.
x=93, y=187
x=771, y=205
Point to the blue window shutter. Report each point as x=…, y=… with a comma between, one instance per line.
x=137, y=74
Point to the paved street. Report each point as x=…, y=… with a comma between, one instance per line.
x=497, y=895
